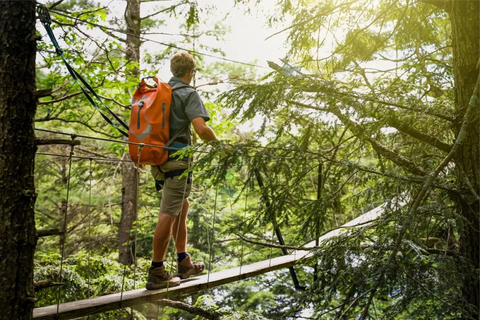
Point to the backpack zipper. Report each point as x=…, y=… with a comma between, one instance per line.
x=138, y=115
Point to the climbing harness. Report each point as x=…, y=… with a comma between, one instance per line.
x=46, y=20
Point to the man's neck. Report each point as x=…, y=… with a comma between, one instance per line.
x=185, y=79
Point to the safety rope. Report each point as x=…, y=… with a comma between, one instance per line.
x=64, y=227
x=244, y=219
x=89, y=244
x=231, y=212
x=213, y=237
x=137, y=172
x=115, y=140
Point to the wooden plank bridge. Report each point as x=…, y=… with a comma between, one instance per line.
x=75, y=309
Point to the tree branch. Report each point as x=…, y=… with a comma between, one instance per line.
x=42, y=142
x=42, y=93
x=442, y=4
x=48, y=232
x=43, y=284
x=103, y=28
x=125, y=106
x=380, y=148
x=171, y=8
x=271, y=245
x=186, y=307
x=55, y=4
x=405, y=128
x=68, y=96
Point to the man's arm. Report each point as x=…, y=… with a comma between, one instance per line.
x=204, y=132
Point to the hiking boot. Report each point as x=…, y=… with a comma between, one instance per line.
x=187, y=268
x=158, y=279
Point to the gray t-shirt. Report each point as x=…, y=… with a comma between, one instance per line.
x=186, y=105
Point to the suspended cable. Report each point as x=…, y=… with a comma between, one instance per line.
x=109, y=140
x=158, y=42
x=213, y=236
x=244, y=219
x=64, y=227
x=80, y=157
x=290, y=150
x=89, y=244
x=137, y=171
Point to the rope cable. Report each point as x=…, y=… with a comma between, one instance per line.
x=244, y=219
x=271, y=248
x=269, y=149
x=80, y=157
x=64, y=227
x=158, y=42
x=213, y=237
x=137, y=169
x=110, y=140
x=123, y=284
x=89, y=246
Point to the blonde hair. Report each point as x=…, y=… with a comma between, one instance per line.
x=181, y=63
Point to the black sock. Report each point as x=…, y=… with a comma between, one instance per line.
x=156, y=264
x=181, y=256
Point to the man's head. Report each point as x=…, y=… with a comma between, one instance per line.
x=183, y=66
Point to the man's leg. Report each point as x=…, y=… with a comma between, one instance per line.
x=179, y=229
x=161, y=238
x=186, y=267
x=157, y=276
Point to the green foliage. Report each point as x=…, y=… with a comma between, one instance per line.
x=207, y=303
x=359, y=113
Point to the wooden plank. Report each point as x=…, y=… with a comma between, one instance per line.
x=86, y=307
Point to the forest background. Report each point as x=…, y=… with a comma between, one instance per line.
x=371, y=101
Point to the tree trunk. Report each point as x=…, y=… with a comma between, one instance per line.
x=17, y=155
x=464, y=16
x=130, y=174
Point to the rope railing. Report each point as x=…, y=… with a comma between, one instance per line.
x=63, y=237
x=321, y=153
x=107, y=140
x=82, y=157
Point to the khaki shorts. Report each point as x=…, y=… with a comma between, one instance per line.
x=175, y=190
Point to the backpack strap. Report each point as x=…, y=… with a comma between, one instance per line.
x=176, y=134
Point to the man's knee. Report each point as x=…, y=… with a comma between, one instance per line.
x=166, y=218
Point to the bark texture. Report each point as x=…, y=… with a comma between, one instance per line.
x=17, y=155
x=464, y=16
x=130, y=175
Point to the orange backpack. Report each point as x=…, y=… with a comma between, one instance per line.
x=149, y=122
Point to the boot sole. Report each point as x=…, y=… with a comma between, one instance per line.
x=163, y=285
x=187, y=275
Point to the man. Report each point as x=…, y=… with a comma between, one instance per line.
x=186, y=108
